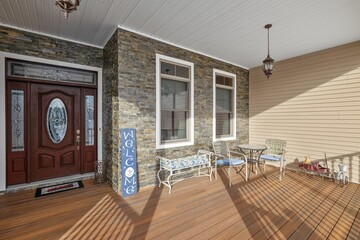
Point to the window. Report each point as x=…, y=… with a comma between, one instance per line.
x=17, y=120
x=174, y=102
x=89, y=120
x=32, y=70
x=224, y=119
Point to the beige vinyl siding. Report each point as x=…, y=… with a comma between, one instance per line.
x=312, y=102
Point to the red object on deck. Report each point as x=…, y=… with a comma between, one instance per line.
x=314, y=167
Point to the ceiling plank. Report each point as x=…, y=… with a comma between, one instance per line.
x=231, y=30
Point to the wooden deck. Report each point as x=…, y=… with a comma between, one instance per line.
x=299, y=207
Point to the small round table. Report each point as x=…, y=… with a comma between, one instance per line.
x=253, y=148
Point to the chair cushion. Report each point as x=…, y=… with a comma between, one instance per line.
x=233, y=161
x=271, y=157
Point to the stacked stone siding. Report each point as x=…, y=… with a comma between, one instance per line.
x=35, y=45
x=129, y=92
x=136, y=107
x=111, y=112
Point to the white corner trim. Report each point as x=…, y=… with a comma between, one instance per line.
x=3, y=56
x=2, y=126
x=179, y=46
x=233, y=135
x=50, y=35
x=190, y=142
x=107, y=39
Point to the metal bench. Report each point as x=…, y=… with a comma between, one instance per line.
x=199, y=161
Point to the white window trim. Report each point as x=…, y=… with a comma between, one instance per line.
x=180, y=143
x=233, y=134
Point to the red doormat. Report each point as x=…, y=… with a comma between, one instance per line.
x=43, y=191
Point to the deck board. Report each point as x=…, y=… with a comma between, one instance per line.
x=294, y=211
x=284, y=212
x=327, y=223
x=342, y=227
x=298, y=207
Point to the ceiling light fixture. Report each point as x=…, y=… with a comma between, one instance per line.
x=67, y=6
x=268, y=63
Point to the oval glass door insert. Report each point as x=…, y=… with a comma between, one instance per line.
x=56, y=120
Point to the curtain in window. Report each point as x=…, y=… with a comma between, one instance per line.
x=174, y=109
x=223, y=111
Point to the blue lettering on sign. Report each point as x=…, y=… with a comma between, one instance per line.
x=128, y=159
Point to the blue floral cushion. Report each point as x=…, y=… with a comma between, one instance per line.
x=225, y=162
x=184, y=162
x=271, y=157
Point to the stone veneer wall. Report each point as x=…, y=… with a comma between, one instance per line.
x=110, y=111
x=31, y=44
x=136, y=101
x=129, y=91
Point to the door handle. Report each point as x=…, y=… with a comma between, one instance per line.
x=78, y=142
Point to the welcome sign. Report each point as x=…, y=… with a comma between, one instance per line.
x=128, y=158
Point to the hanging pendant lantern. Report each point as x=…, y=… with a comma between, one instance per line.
x=268, y=63
x=67, y=6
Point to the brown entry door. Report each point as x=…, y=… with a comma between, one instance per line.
x=55, y=131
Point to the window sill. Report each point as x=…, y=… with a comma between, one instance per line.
x=174, y=144
x=227, y=138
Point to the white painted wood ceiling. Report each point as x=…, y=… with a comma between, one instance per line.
x=231, y=30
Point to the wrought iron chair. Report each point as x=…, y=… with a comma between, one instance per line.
x=231, y=159
x=275, y=153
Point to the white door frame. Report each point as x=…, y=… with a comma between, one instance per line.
x=4, y=55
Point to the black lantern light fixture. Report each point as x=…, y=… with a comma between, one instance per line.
x=268, y=63
x=67, y=6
